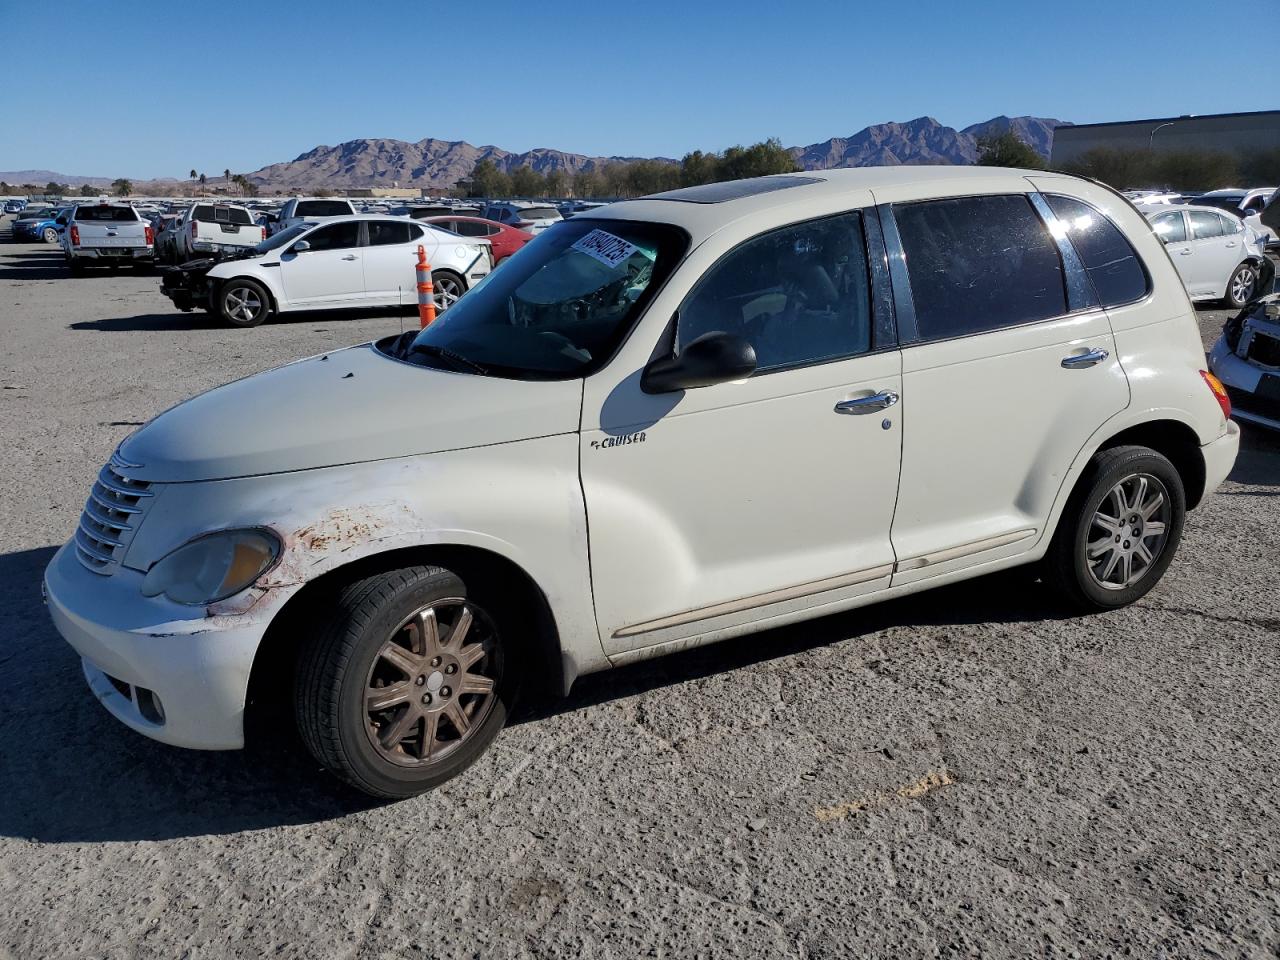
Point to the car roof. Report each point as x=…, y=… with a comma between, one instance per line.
x=1206, y=208
x=703, y=210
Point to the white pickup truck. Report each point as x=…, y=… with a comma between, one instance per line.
x=311, y=210
x=215, y=228
x=106, y=234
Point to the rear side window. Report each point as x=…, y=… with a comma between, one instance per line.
x=1230, y=225
x=1169, y=227
x=979, y=264
x=382, y=233
x=469, y=228
x=1204, y=224
x=107, y=214
x=322, y=208
x=799, y=295
x=1113, y=266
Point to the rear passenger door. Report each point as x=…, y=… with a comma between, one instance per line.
x=1008, y=367
x=1213, y=256
x=390, y=262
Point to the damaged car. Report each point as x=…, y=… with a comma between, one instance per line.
x=338, y=263
x=1246, y=358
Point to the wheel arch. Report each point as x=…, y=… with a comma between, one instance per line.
x=1175, y=441
x=273, y=662
x=217, y=283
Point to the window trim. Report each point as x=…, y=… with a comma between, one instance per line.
x=874, y=296
x=1146, y=272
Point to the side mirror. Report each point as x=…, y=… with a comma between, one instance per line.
x=301, y=247
x=713, y=358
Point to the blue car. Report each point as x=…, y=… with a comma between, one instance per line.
x=39, y=226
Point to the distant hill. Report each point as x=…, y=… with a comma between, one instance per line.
x=439, y=164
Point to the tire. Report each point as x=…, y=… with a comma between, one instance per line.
x=1142, y=477
x=1241, y=286
x=50, y=235
x=448, y=288
x=347, y=659
x=242, y=302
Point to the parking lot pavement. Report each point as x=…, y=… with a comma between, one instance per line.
x=965, y=771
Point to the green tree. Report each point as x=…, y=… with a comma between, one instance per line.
x=488, y=181
x=226, y=174
x=1008, y=150
x=527, y=182
x=193, y=173
x=1195, y=169
x=698, y=167
x=1261, y=167
x=122, y=187
x=88, y=190
x=557, y=183
x=203, y=179
x=588, y=184
x=1118, y=168
x=4, y=187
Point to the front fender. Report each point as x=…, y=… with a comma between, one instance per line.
x=521, y=501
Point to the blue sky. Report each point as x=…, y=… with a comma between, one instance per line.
x=146, y=89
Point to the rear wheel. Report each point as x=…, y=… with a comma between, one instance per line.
x=1120, y=530
x=448, y=288
x=1242, y=284
x=243, y=303
x=407, y=682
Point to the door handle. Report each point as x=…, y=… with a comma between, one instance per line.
x=1079, y=360
x=350, y=256
x=877, y=401
x=1231, y=243
x=1185, y=252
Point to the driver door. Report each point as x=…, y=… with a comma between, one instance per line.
x=330, y=273
x=713, y=508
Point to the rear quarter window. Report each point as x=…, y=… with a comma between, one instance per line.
x=978, y=264
x=1113, y=266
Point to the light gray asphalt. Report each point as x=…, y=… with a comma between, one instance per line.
x=966, y=772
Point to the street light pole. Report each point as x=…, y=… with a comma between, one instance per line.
x=1167, y=123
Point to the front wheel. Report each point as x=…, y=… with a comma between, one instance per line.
x=406, y=683
x=50, y=235
x=243, y=303
x=1119, y=531
x=1241, y=285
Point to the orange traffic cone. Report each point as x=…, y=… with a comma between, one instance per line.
x=426, y=292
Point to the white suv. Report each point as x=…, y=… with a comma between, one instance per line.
x=676, y=420
x=523, y=215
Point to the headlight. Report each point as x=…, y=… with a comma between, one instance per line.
x=212, y=567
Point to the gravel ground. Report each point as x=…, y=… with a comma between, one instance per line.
x=965, y=772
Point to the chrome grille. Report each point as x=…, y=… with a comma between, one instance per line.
x=111, y=516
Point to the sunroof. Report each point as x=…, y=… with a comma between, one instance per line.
x=732, y=189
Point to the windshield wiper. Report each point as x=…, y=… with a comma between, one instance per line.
x=431, y=350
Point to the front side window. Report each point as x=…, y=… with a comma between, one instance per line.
x=1204, y=224
x=1170, y=227
x=336, y=236
x=798, y=295
x=1113, y=266
x=979, y=264
x=560, y=309
x=382, y=233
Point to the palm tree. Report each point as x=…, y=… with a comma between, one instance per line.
x=226, y=174
x=193, y=173
x=203, y=179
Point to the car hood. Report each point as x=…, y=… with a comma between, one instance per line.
x=349, y=406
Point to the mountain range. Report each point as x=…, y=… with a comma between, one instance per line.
x=439, y=164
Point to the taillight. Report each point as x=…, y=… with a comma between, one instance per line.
x=1219, y=392
x=195, y=231
x=75, y=235
x=264, y=233
x=150, y=235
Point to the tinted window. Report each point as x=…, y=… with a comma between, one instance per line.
x=979, y=263
x=112, y=214
x=1169, y=227
x=322, y=208
x=382, y=232
x=539, y=213
x=211, y=214
x=798, y=295
x=336, y=236
x=469, y=228
x=416, y=232
x=1112, y=265
x=1204, y=224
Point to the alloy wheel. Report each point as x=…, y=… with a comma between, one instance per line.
x=433, y=683
x=1242, y=285
x=242, y=304
x=1128, y=531
x=447, y=292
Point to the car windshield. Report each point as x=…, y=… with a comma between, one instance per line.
x=558, y=310
x=283, y=238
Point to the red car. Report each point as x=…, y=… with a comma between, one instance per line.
x=505, y=240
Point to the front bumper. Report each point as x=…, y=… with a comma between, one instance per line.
x=1254, y=392
x=138, y=652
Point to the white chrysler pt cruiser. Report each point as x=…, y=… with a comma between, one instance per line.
x=676, y=420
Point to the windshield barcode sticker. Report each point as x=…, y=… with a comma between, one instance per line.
x=605, y=247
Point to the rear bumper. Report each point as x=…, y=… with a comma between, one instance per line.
x=115, y=253
x=137, y=653
x=1219, y=457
